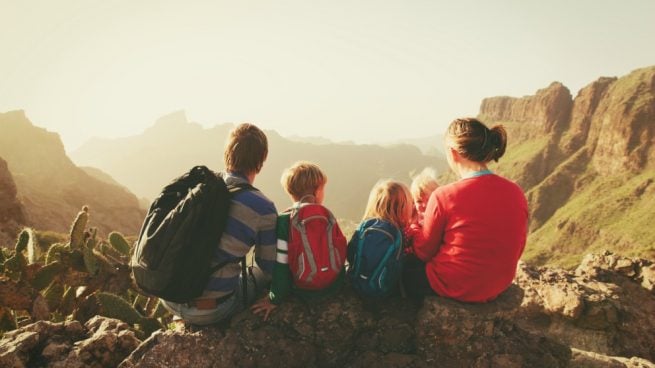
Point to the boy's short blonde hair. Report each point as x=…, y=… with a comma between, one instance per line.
x=302, y=179
x=424, y=183
x=391, y=201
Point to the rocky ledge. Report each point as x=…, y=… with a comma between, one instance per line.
x=599, y=315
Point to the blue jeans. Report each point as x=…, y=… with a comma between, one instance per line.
x=227, y=308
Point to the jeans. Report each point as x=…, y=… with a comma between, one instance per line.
x=227, y=308
x=414, y=278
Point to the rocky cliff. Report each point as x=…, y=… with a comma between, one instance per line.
x=51, y=189
x=599, y=315
x=585, y=163
x=11, y=211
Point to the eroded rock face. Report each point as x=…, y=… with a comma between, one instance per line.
x=599, y=315
x=596, y=308
x=12, y=214
x=584, y=107
x=545, y=112
x=622, y=129
x=52, y=188
x=101, y=342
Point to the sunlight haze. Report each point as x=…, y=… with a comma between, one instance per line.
x=364, y=71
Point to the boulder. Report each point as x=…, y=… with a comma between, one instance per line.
x=599, y=315
x=101, y=342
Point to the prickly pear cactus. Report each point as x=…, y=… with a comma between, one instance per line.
x=117, y=240
x=33, y=249
x=46, y=274
x=77, y=230
x=67, y=304
x=54, y=295
x=54, y=253
x=79, y=279
x=113, y=306
x=15, y=266
x=90, y=261
x=21, y=242
x=92, y=241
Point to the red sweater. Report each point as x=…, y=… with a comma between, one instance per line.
x=473, y=236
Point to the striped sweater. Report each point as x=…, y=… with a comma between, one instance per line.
x=251, y=222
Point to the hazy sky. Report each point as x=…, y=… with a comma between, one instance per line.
x=347, y=70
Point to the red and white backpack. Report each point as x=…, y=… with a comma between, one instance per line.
x=317, y=247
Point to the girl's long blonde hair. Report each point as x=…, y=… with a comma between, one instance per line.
x=391, y=201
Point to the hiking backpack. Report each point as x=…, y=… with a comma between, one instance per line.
x=377, y=258
x=172, y=257
x=316, y=247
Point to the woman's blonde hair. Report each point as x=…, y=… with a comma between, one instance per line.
x=424, y=183
x=391, y=201
x=302, y=179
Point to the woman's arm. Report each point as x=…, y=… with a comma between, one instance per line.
x=427, y=242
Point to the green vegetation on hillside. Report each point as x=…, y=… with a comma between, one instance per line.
x=613, y=213
x=521, y=158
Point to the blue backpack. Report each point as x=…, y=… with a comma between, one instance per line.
x=376, y=251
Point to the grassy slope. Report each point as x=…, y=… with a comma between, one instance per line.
x=607, y=213
x=518, y=156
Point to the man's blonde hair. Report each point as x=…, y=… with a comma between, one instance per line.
x=302, y=179
x=391, y=201
x=246, y=149
x=424, y=183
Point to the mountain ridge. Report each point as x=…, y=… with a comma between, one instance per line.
x=352, y=169
x=51, y=188
x=568, y=153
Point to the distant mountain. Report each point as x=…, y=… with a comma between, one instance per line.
x=145, y=163
x=587, y=165
x=431, y=145
x=312, y=140
x=50, y=189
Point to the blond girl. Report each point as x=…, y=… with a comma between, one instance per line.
x=375, y=252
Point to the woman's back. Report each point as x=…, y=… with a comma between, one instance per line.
x=482, y=223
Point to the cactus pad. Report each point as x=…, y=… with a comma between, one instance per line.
x=46, y=274
x=119, y=243
x=113, y=306
x=77, y=229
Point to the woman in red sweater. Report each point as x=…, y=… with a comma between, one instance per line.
x=475, y=228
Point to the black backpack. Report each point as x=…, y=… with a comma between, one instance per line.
x=180, y=233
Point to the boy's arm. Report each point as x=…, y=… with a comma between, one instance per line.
x=281, y=285
x=265, y=242
x=428, y=241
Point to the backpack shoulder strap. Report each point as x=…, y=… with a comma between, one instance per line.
x=238, y=187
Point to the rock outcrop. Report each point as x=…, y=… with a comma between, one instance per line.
x=101, y=342
x=622, y=129
x=599, y=315
x=546, y=112
x=584, y=108
x=567, y=154
x=595, y=316
x=52, y=189
x=11, y=210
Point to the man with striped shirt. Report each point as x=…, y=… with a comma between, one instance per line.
x=251, y=223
